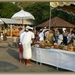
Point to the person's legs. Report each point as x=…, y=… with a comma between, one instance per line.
x=15, y=44
x=28, y=62
x=21, y=60
x=27, y=54
x=21, y=57
x=25, y=61
x=21, y=53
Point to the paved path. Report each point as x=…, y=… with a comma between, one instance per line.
x=9, y=62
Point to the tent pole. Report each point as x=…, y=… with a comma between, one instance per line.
x=50, y=19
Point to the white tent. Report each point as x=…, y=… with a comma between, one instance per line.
x=8, y=21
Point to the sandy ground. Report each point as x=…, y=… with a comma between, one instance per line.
x=9, y=62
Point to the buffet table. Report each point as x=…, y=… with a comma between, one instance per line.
x=55, y=57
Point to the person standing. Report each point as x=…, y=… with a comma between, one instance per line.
x=69, y=37
x=27, y=39
x=49, y=37
x=21, y=36
x=1, y=36
x=60, y=38
x=37, y=36
x=65, y=34
x=4, y=34
x=41, y=35
x=73, y=37
x=14, y=41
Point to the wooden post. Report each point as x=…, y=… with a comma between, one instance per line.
x=50, y=19
x=11, y=30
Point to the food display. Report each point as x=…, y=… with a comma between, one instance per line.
x=42, y=44
x=36, y=45
x=61, y=46
x=65, y=47
x=47, y=45
x=56, y=46
x=71, y=48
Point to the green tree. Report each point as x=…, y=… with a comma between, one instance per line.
x=40, y=10
x=7, y=9
x=54, y=12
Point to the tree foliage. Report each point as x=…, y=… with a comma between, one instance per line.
x=40, y=10
x=7, y=9
x=69, y=17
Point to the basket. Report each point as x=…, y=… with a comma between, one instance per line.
x=70, y=48
x=65, y=47
x=74, y=49
x=56, y=46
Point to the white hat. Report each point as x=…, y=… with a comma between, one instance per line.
x=27, y=27
x=31, y=28
x=45, y=27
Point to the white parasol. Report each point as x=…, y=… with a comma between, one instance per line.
x=23, y=15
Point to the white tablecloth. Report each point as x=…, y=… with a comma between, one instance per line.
x=56, y=57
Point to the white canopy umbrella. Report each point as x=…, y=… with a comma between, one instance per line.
x=23, y=15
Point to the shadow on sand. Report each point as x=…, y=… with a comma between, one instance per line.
x=13, y=53
x=7, y=67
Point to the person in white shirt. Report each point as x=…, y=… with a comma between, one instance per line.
x=41, y=35
x=69, y=37
x=26, y=39
x=73, y=37
x=60, y=38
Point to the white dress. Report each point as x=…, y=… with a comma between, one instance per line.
x=26, y=42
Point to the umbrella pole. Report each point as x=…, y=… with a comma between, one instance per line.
x=22, y=22
x=50, y=19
